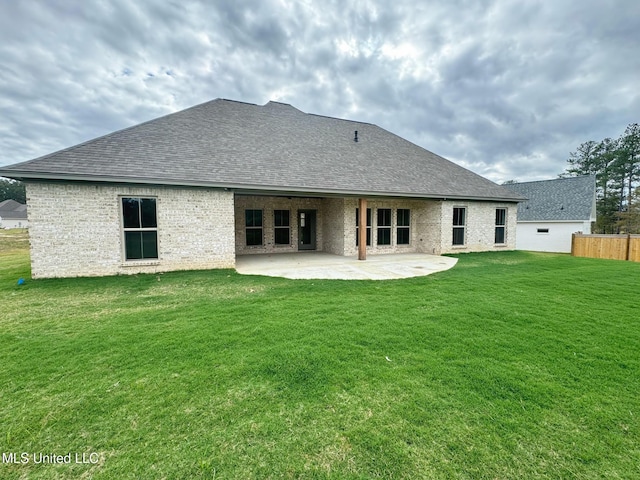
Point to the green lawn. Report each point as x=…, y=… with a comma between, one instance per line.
x=510, y=365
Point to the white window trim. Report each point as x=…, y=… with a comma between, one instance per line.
x=261, y=228
x=369, y=227
x=137, y=262
x=463, y=226
x=404, y=227
x=281, y=227
x=386, y=227
x=506, y=219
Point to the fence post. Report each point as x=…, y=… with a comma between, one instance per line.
x=628, y=247
x=573, y=244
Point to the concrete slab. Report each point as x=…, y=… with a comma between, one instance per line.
x=319, y=265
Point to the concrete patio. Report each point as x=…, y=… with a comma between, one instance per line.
x=318, y=265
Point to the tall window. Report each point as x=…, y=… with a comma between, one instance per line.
x=282, y=231
x=459, y=225
x=403, y=226
x=384, y=226
x=140, y=228
x=501, y=222
x=368, y=226
x=253, y=227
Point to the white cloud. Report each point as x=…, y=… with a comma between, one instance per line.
x=505, y=88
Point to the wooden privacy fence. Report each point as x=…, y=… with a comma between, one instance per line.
x=617, y=247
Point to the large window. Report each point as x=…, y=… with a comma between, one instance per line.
x=282, y=230
x=403, y=226
x=501, y=222
x=459, y=225
x=140, y=226
x=368, y=226
x=384, y=226
x=253, y=227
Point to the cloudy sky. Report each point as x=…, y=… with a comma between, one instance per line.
x=505, y=88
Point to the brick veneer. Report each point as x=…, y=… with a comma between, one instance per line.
x=75, y=229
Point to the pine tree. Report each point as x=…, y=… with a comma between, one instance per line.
x=629, y=221
x=616, y=165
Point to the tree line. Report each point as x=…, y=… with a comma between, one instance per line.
x=12, y=190
x=616, y=165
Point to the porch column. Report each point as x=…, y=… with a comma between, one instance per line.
x=362, y=230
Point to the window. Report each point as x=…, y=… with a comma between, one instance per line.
x=384, y=226
x=501, y=222
x=543, y=230
x=403, y=226
x=140, y=227
x=368, y=226
x=282, y=231
x=459, y=223
x=253, y=227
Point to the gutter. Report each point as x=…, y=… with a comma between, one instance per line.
x=240, y=188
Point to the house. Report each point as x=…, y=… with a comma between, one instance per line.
x=193, y=189
x=13, y=214
x=555, y=209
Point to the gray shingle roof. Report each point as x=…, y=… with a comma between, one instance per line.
x=562, y=199
x=12, y=209
x=274, y=147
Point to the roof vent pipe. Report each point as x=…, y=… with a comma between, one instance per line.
x=355, y=138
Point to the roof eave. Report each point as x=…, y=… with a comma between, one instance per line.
x=555, y=221
x=242, y=188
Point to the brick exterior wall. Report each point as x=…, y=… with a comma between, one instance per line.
x=268, y=205
x=424, y=229
x=480, y=226
x=75, y=229
x=431, y=226
x=337, y=222
x=336, y=228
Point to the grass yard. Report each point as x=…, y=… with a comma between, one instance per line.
x=510, y=365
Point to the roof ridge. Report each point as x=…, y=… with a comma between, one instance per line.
x=230, y=143
x=551, y=180
x=225, y=100
x=342, y=119
x=279, y=103
x=9, y=202
x=316, y=114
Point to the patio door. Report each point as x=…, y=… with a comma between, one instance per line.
x=306, y=229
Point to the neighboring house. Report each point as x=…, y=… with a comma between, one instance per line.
x=193, y=189
x=13, y=214
x=555, y=209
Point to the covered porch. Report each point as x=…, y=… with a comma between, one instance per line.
x=280, y=225
x=322, y=265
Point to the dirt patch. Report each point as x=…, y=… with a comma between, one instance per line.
x=14, y=239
